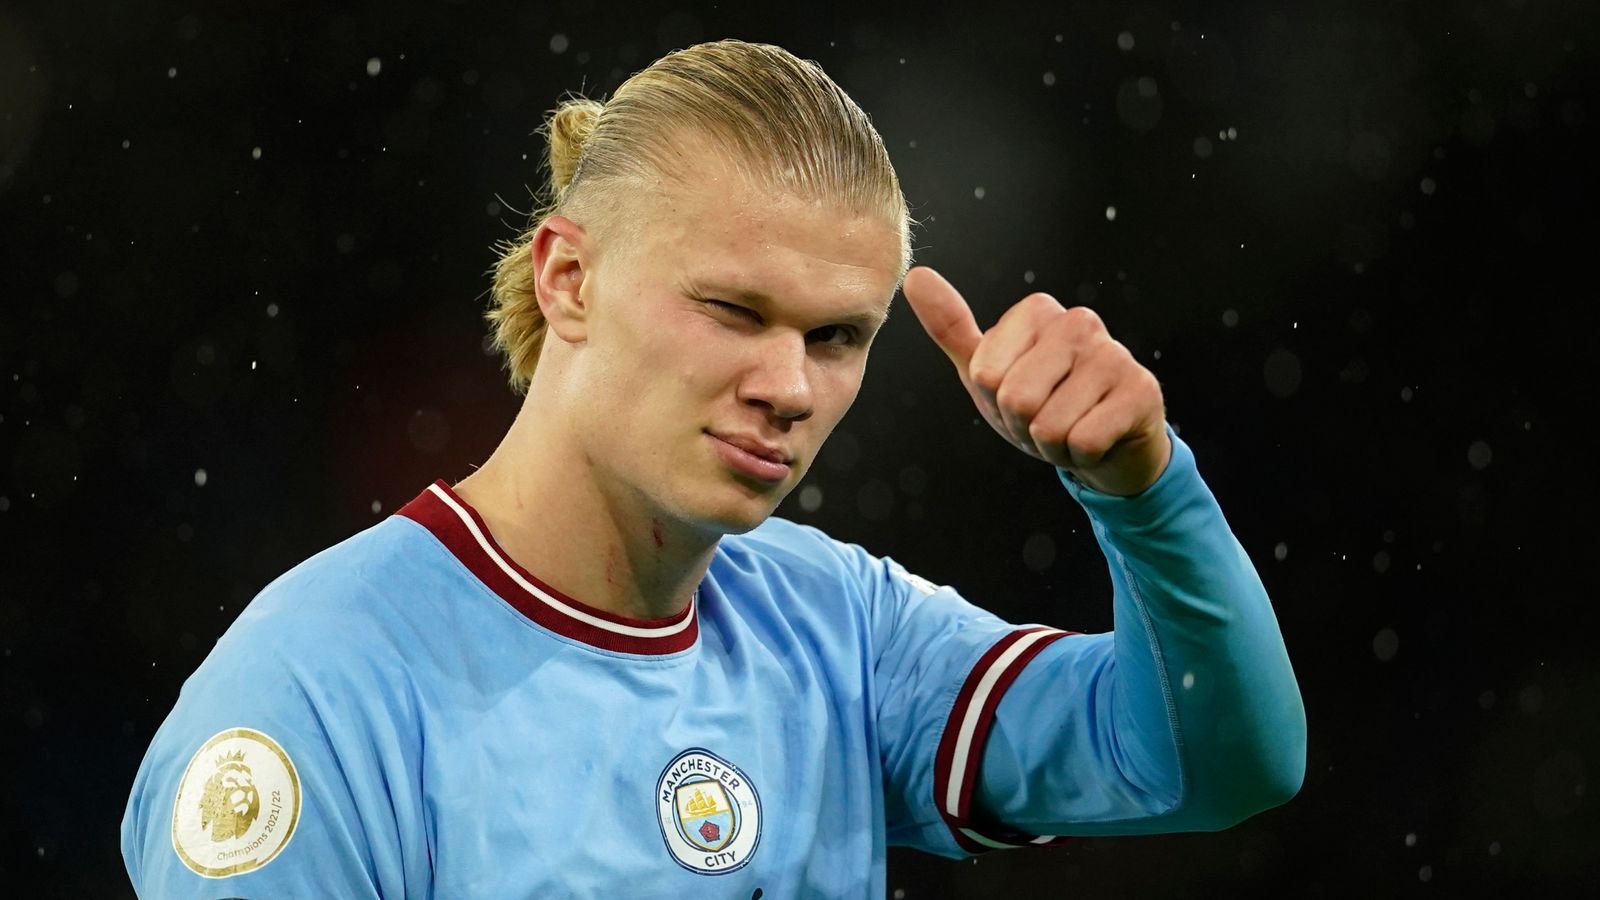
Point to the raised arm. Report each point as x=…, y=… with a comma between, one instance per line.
x=1186, y=716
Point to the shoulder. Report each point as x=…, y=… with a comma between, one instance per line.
x=360, y=581
x=801, y=550
x=811, y=557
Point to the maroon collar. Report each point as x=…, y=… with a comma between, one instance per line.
x=463, y=532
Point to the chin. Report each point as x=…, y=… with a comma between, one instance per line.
x=741, y=510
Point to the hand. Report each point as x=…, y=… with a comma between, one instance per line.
x=1053, y=383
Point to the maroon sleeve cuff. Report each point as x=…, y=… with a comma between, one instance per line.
x=957, y=766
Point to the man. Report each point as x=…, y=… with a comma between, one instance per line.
x=598, y=666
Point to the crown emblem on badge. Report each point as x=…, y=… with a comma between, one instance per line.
x=236, y=756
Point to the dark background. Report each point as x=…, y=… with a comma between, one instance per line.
x=242, y=266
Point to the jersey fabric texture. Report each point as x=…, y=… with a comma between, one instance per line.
x=411, y=714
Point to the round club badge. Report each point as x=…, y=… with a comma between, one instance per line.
x=709, y=812
x=237, y=804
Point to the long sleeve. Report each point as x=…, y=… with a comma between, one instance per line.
x=1186, y=717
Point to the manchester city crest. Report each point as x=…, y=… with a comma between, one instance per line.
x=709, y=812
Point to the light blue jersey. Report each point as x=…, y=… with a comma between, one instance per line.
x=411, y=714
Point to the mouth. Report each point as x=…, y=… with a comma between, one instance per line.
x=760, y=461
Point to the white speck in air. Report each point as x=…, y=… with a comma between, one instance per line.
x=374, y=66
x=1111, y=214
x=200, y=477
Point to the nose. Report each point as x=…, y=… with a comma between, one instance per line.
x=778, y=379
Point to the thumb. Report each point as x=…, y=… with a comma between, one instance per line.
x=944, y=314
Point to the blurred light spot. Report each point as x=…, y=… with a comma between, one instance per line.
x=172, y=71
x=1202, y=147
x=1411, y=839
x=1425, y=873
x=1479, y=455
x=1282, y=373
x=428, y=430
x=1558, y=784
x=841, y=452
x=1188, y=680
x=1233, y=133
x=1038, y=552
x=1494, y=848
x=1027, y=277
x=1385, y=644
x=374, y=66
x=1429, y=186
x=1368, y=156
x=1530, y=700
x=1125, y=41
x=558, y=43
x=255, y=152
x=1111, y=214
x=1230, y=318
x=1406, y=393
x=377, y=507
x=978, y=192
x=875, y=500
x=200, y=477
x=1049, y=79
x=811, y=498
x=491, y=208
x=1280, y=552
x=1139, y=104
x=912, y=479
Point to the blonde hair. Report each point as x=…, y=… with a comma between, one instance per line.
x=786, y=126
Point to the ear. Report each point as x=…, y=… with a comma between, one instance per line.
x=561, y=257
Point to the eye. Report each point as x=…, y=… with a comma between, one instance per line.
x=835, y=335
x=733, y=309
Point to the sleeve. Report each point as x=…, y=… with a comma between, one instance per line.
x=1185, y=717
x=268, y=779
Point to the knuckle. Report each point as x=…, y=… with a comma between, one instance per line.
x=986, y=376
x=1015, y=400
x=1085, y=316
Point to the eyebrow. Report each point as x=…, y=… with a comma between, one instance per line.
x=866, y=321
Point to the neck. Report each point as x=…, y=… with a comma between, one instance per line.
x=556, y=519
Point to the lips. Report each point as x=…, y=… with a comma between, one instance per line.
x=751, y=457
x=755, y=447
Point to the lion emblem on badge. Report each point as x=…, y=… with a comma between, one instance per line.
x=229, y=803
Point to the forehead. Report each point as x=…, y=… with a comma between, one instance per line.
x=720, y=227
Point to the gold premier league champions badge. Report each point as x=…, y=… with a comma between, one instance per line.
x=237, y=805
x=710, y=814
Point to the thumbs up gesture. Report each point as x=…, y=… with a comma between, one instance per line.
x=1053, y=383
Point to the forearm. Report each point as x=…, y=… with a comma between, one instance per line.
x=1195, y=631
x=1185, y=717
